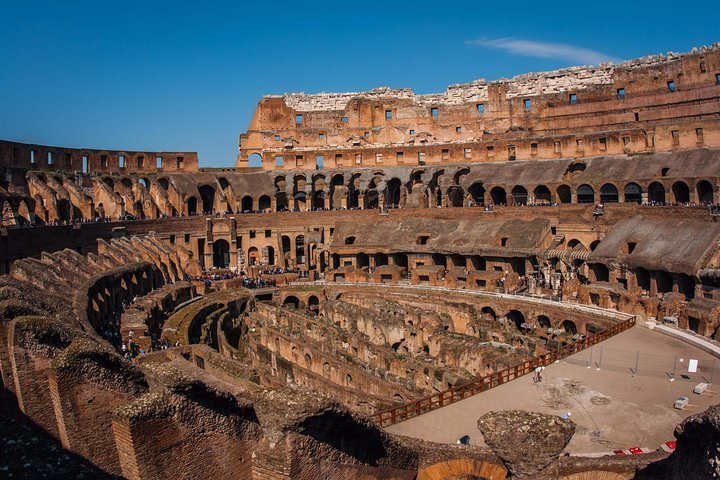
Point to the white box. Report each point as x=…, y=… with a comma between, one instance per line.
x=700, y=388
x=681, y=403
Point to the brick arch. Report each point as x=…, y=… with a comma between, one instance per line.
x=459, y=467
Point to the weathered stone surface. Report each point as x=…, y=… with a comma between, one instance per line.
x=526, y=441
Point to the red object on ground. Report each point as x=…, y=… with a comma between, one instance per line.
x=671, y=444
x=619, y=452
x=636, y=451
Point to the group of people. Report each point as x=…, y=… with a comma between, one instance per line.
x=213, y=276
x=279, y=271
x=258, y=283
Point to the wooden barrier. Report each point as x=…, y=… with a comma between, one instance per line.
x=482, y=384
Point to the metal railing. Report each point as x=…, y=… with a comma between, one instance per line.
x=482, y=384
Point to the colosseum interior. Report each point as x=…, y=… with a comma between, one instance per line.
x=374, y=258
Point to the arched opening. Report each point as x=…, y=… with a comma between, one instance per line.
x=585, y=194
x=270, y=255
x=319, y=200
x=519, y=195
x=313, y=303
x=400, y=259
x=542, y=195
x=291, y=301
x=663, y=281
x=576, y=244
x=564, y=194
x=393, y=189
x=477, y=192
x=642, y=277
x=458, y=260
x=516, y=317
x=633, y=193
x=704, y=192
x=281, y=200
x=163, y=182
x=192, y=206
x=371, y=199
x=498, y=196
x=594, y=244
x=300, y=201
x=381, y=259
x=487, y=314
x=300, y=249
x=109, y=182
x=600, y=272
x=253, y=256
x=681, y=192
x=246, y=204
x=694, y=324
x=264, y=203
x=569, y=327
x=439, y=259
x=544, y=322
x=362, y=260
x=221, y=254
x=455, y=196
x=608, y=193
x=207, y=193
x=656, y=193
x=686, y=286
x=255, y=160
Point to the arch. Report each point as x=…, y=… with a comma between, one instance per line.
x=569, y=327
x=371, y=199
x=519, y=195
x=455, y=195
x=393, y=192
x=542, y=194
x=663, y=281
x=264, y=203
x=498, y=196
x=576, y=244
x=600, y=271
x=543, y=321
x=477, y=192
x=439, y=259
x=656, y=193
x=400, y=259
x=255, y=160
x=632, y=193
x=246, y=204
x=681, y=192
x=291, y=300
x=207, y=194
x=308, y=361
x=381, y=259
x=516, y=317
x=362, y=260
x=642, y=277
x=192, y=206
x=319, y=200
x=270, y=255
x=458, y=260
x=609, y=193
x=109, y=182
x=300, y=249
x=704, y=192
x=594, y=244
x=221, y=254
x=126, y=182
x=488, y=313
x=253, y=256
x=585, y=194
x=564, y=194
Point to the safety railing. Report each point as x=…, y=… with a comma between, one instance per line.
x=482, y=384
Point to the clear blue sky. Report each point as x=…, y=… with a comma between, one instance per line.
x=186, y=76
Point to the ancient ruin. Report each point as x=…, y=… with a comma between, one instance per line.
x=374, y=256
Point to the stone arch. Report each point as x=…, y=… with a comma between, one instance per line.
x=221, y=253
x=564, y=194
x=519, y=195
x=439, y=259
x=477, y=192
x=609, y=193
x=542, y=194
x=255, y=160
x=704, y=192
x=488, y=313
x=400, y=259
x=681, y=192
x=686, y=285
x=576, y=244
x=663, y=280
x=458, y=260
x=585, y=194
x=594, y=244
x=291, y=300
x=498, y=196
x=300, y=249
x=253, y=256
x=381, y=259
x=632, y=193
x=543, y=321
x=600, y=272
x=362, y=260
x=642, y=277
x=318, y=202
x=207, y=194
x=568, y=326
x=455, y=195
x=264, y=203
x=246, y=204
x=393, y=189
x=656, y=193
x=516, y=317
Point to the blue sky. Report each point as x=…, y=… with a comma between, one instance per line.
x=187, y=76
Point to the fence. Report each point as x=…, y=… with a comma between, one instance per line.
x=455, y=394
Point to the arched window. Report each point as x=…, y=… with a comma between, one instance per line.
x=633, y=193
x=519, y=195
x=564, y=194
x=681, y=192
x=585, y=194
x=656, y=193
x=608, y=193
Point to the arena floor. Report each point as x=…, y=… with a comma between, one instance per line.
x=627, y=402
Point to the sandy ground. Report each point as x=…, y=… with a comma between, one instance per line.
x=615, y=406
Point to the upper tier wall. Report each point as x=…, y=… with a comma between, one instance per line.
x=30, y=156
x=648, y=105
